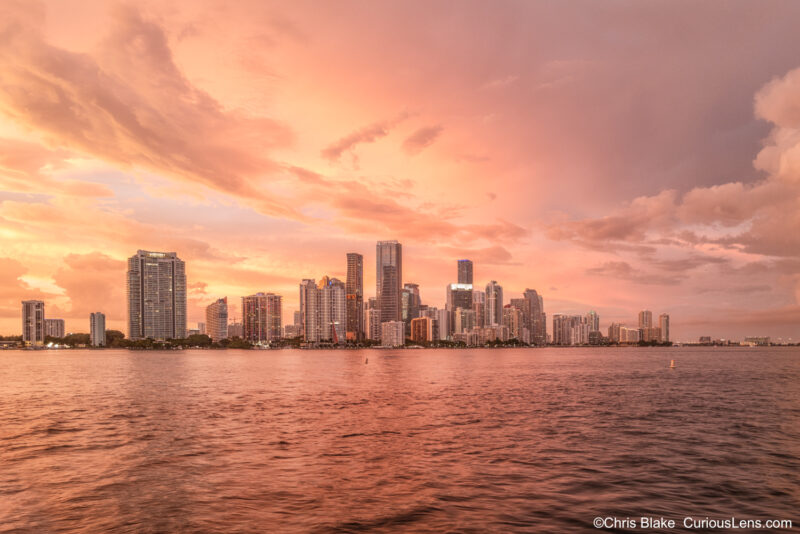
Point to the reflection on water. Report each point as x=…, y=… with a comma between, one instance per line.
x=466, y=440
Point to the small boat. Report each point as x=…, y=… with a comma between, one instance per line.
x=672, y=364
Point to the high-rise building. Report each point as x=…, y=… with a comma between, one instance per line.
x=217, y=319
x=538, y=319
x=570, y=330
x=372, y=323
x=97, y=329
x=463, y=320
x=389, y=279
x=393, y=334
x=444, y=317
x=354, y=287
x=424, y=330
x=325, y=310
x=645, y=319
x=663, y=324
x=261, y=318
x=201, y=328
x=513, y=319
x=411, y=302
x=594, y=321
x=156, y=296
x=479, y=307
x=54, y=328
x=235, y=330
x=494, y=304
x=465, y=272
x=614, y=332
x=33, y=322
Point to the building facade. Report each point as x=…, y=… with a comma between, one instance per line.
x=156, y=290
x=325, y=310
x=393, y=334
x=54, y=328
x=261, y=317
x=354, y=294
x=217, y=319
x=389, y=279
x=494, y=304
x=663, y=325
x=33, y=330
x=97, y=329
x=465, y=272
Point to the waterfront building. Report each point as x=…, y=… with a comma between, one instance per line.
x=354, y=295
x=291, y=331
x=261, y=317
x=645, y=319
x=54, y=328
x=411, y=303
x=593, y=320
x=235, y=330
x=217, y=319
x=629, y=335
x=537, y=320
x=201, y=327
x=663, y=324
x=513, y=320
x=479, y=307
x=156, y=291
x=494, y=304
x=33, y=330
x=465, y=272
x=464, y=320
x=393, y=334
x=325, y=310
x=757, y=341
x=443, y=318
x=97, y=329
x=372, y=323
x=424, y=330
x=570, y=330
x=614, y=332
x=389, y=279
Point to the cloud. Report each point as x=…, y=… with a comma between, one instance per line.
x=421, y=139
x=624, y=271
x=495, y=255
x=13, y=289
x=26, y=167
x=499, y=83
x=129, y=104
x=367, y=134
x=92, y=282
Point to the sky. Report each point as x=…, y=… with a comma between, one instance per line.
x=615, y=156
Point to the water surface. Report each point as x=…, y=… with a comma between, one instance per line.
x=533, y=440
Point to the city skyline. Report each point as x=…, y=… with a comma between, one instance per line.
x=251, y=157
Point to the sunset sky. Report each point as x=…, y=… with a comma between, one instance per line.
x=615, y=156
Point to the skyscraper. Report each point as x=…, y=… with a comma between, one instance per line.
x=537, y=319
x=389, y=279
x=594, y=321
x=465, y=271
x=663, y=323
x=54, y=328
x=479, y=307
x=325, y=310
x=217, y=319
x=156, y=296
x=354, y=287
x=410, y=303
x=494, y=304
x=33, y=322
x=97, y=329
x=261, y=317
x=645, y=319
